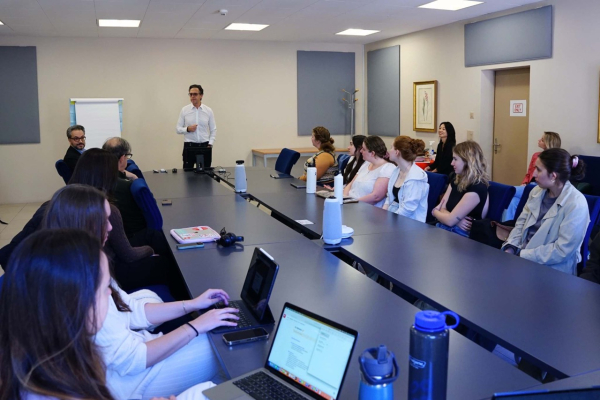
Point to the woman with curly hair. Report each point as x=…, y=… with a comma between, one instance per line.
x=324, y=160
x=467, y=195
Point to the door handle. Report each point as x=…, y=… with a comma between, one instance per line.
x=496, y=145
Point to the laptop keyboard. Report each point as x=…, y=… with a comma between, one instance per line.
x=244, y=321
x=261, y=386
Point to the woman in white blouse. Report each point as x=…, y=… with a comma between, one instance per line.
x=408, y=188
x=47, y=336
x=371, y=182
x=141, y=364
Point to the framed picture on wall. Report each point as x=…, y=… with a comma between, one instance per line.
x=425, y=106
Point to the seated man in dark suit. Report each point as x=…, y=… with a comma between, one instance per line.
x=133, y=218
x=76, y=137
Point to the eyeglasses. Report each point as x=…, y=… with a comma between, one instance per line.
x=128, y=156
x=78, y=139
x=194, y=94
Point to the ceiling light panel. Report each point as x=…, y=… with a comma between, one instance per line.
x=357, y=32
x=245, y=27
x=450, y=5
x=119, y=23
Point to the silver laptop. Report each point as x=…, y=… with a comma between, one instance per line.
x=308, y=359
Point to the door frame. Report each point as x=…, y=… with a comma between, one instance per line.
x=488, y=89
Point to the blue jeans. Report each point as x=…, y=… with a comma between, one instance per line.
x=454, y=229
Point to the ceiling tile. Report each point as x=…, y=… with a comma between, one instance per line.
x=117, y=32
x=174, y=6
x=77, y=32
x=287, y=4
x=196, y=33
x=168, y=32
x=265, y=15
x=112, y=10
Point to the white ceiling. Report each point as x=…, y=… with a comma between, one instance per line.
x=289, y=20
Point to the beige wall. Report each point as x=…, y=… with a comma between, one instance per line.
x=563, y=92
x=251, y=87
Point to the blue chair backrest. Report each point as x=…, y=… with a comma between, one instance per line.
x=523, y=200
x=594, y=209
x=500, y=196
x=63, y=170
x=437, y=183
x=342, y=162
x=592, y=173
x=145, y=200
x=286, y=160
x=134, y=169
x=1, y=282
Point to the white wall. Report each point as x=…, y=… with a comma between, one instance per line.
x=251, y=87
x=563, y=90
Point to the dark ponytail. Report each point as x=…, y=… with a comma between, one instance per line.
x=358, y=160
x=563, y=164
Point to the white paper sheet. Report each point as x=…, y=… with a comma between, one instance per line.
x=100, y=118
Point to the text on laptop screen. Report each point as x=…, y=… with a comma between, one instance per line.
x=259, y=281
x=311, y=353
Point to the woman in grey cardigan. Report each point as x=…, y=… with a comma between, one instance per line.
x=553, y=223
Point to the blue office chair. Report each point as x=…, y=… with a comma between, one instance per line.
x=523, y=200
x=437, y=184
x=286, y=160
x=134, y=169
x=592, y=176
x=63, y=170
x=342, y=162
x=500, y=196
x=145, y=200
x=1, y=282
x=594, y=209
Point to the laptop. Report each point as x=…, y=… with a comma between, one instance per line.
x=254, y=305
x=309, y=358
x=589, y=393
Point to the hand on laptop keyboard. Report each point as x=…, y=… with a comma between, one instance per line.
x=215, y=318
x=208, y=298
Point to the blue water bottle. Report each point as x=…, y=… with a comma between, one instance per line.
x=428, y=355
x=379, y=370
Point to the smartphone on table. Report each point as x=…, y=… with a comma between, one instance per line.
x=245, y=336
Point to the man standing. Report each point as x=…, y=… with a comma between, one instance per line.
x=76, y=137
x=196, y=123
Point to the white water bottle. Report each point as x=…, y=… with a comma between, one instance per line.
x=332, y=221
x=311, y=179
x=240, y=177
x=338, y=188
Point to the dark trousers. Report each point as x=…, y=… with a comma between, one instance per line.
x=187, y=163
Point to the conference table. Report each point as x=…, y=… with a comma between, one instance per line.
x=512, y=301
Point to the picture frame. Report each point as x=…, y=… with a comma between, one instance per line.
x=425, y=106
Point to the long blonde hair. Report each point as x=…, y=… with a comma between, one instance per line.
x=475, y=170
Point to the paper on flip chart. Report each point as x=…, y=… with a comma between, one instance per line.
x=100, y=118
x=304, y=222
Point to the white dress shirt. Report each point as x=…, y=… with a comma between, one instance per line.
x=203, y=117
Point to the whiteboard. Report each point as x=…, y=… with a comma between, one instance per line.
x=101, y=119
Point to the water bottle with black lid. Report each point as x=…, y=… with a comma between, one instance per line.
x=428, y=355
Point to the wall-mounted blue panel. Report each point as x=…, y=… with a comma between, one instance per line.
x=19, y=105
x=383, y=86
x=321, y=77
x=517, y=37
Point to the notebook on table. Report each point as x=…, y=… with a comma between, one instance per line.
x=254, y=304
x=327, y=194
x=195, y=234
x=309, y=358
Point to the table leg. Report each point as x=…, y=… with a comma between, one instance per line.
x=265, y=159
x=253, y=160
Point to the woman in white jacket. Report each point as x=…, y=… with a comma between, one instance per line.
x=141, y=364
x=408, y=188
x=553, y=223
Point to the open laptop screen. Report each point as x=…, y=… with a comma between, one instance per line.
x=259, y=282
x=311, y=352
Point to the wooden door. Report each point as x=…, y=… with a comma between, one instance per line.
x=510, y=140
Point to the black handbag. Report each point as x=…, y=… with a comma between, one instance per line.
x=491, y=232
